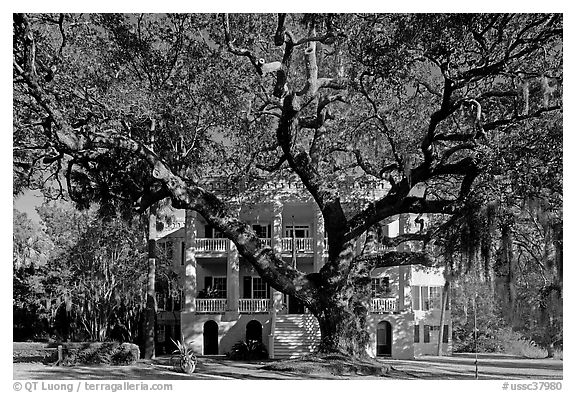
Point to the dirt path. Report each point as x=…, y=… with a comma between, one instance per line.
x=430, y=367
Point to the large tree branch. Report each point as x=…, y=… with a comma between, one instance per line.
x=395, y=258
x=514, y=119
x=184, y=194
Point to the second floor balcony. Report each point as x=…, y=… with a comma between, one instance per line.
x=254, y=306
x=221, y=245
x=218, y=246
x=218, y=306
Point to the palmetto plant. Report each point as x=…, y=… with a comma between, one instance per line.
x=183, y=358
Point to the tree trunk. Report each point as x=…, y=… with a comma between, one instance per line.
x=344, y=329
x=150, y=311
x=445, y=291
x=344, y=309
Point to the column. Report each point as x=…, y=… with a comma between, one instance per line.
x=402, y=270
x=233, y=275
x=318, y=239
x=277, y=210
x=190, y=262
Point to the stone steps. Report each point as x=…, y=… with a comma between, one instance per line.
x=295, y=335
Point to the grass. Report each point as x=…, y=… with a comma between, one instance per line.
x=335, y=364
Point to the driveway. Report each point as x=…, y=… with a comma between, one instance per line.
x=460, y=366
x=490, y=366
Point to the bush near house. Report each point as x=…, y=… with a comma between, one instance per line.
x=502, y=340
x=113, y=353
x=248, y=350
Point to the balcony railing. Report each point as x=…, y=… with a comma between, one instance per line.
x=212, y=244
x=254, y=305
x=386, y=304
x=305, y=244
x=211, y=305
x=217, y=306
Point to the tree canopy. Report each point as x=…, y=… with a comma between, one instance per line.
x=448, y=111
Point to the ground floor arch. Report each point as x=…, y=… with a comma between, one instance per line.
x=210, y=336
x=384, y=339
x=254, y=331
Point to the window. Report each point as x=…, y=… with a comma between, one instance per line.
x=445, y=334
x=416, y=333
x=160, y=300
x=436, y=297
x=161, y=333
x=215, y=287
x=300, y=231
x=426, y=333
x=415, y=297
x=259, y=288
x=263, y=231
x=434, y=333
x=183, y=254
x=427, y=298
x=380, y=287
x=255, y=288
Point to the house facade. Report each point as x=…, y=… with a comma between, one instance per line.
x=224, y=300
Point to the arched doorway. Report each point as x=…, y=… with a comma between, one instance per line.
x=254, y=331
x=210, y=334
x=384, y=339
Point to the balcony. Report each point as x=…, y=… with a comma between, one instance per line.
x=305, y=244
x=254, y=305
x=218, y=306
x=211, y=244
x=386, y=304
x=211, y=306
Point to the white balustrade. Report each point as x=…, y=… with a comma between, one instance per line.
x=384, y=304
x=254, y=305
x=211, y=305
x=302, y=244
x=267, y=241
x=212, y=244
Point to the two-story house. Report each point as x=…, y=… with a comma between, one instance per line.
x=225, y=300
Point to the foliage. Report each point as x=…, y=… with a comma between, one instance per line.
x=248, y=350
x=184, y=357
x=92, y=284
x=102, y=353
x=462, y=106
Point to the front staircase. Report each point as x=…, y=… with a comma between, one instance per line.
x=295, y=335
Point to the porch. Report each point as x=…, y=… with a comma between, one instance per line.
x=254, y=306
x=219, y=306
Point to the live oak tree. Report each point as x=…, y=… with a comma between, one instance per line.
x=420, y=102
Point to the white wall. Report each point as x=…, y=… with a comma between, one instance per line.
x=230, y=330
x=402, y=334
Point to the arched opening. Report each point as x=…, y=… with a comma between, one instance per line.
x=254, y=331
x=210, y=334
x=384, y=339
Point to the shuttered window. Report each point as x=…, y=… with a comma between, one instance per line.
x=425, y=298
x=416, y=297
x=247, y=291
x=183, y=253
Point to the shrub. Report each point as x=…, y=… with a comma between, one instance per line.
x=503, y=340
x=31, y=352
x=103, y=353
x=251, y=350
